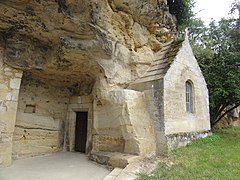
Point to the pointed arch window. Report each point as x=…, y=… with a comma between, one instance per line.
x=189, y=96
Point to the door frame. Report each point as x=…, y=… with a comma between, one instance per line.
x=70, y=126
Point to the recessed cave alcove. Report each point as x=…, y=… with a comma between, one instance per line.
x=47, y=110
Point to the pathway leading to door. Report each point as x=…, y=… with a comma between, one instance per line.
x=60, y=166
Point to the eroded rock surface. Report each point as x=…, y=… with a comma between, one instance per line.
x=77, y=55
x=69, y=42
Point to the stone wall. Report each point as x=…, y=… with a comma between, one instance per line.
x=182, y=139
x=165, y=98
x=41, y=116
x=123, y=124
x=10, y=80
x=177, y=120
x=153, y=98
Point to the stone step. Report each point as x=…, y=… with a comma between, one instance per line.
x=101, y=157
x=113, y=159
x=114, y=174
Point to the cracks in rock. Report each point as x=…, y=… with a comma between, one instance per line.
x=15, y=28
x=115, y=47
x=103, y=39
x=82, y=88
x=63, y=8
x=110, y=5
x=4, y=105
x=93, y=14
x=45, y=28
x=44, y=129
x=29, y=10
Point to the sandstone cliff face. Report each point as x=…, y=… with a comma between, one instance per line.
x=77, y=48
x=69, y=42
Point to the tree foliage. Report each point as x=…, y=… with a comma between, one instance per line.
x=183, y=11
x=217, y=49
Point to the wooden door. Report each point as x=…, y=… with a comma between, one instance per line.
x=81, y=131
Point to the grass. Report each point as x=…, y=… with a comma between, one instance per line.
x=215, y=157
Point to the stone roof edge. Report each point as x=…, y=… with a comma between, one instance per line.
x=172, y=44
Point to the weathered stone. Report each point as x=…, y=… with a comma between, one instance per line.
x=39, y=122
x=121, y=160
x=104, y=59
x=3, y=86
x=5, y=149
x=182, y=139
x=101, y=157
x=15, y=95
x=32, y=141
x=15, y=83
x=123, y=114
x=164, y=86
x=140, y=35
x=75, y=40
x=183, y=68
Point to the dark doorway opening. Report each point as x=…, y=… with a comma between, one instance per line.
x=81, y=131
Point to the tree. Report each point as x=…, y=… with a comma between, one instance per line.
x=183, y=11
x=217, y=49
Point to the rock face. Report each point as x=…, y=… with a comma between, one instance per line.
x=75, y=48
x=40, y=119
x=10, y=80
x=79, y=56
x=129, y=130
x=71, y=42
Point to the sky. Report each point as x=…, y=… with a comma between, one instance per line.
x=216, y=9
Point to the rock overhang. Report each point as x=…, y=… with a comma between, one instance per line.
x=52, y=40
x=64, y=41
x=60, y=64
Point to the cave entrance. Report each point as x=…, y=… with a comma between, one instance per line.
x=81, y=131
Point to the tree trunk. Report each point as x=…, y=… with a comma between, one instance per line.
x=221, y=116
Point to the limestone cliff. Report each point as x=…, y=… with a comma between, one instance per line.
x=71, y=42
x=59, y=57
